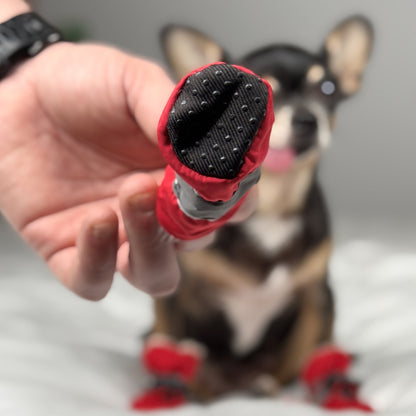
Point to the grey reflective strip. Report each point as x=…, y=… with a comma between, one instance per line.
x=194, y=206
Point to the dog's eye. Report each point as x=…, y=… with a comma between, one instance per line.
x=328, y=88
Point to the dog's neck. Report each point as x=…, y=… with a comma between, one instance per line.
x=284, y=193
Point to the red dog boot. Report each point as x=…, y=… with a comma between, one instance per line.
x=325, y=376
x=173, y=365
x=323, y=364
x=214, y=134
x=164, y=357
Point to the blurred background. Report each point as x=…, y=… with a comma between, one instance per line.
x=62, y=352
x=369, y=173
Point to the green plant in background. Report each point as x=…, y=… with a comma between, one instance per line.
x=74, y=31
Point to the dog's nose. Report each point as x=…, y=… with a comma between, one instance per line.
x=305, y=126
x=304, y=123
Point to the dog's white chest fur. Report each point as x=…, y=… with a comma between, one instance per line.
x=271, y=233
x=251, y=308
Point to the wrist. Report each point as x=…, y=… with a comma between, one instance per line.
x=22, y=37
x=12, y=8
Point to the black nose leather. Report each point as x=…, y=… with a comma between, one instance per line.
x=305, y=127
x=304, y=123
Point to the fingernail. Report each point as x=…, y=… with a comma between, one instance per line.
x=144, y=202
x=102, y=231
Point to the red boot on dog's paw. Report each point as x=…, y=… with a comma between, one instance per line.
x=163, y=357
x=159, y=397
x=214, y=133
x=174, y=366
x=325, y=376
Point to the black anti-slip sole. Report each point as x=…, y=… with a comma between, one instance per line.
x=215, y=118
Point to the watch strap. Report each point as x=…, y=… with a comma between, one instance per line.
x=22, y=37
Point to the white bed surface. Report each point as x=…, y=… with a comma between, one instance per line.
x=61, y=355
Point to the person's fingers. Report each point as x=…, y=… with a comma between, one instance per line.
x=88, y=268
x=148, y=260
x=148, y=88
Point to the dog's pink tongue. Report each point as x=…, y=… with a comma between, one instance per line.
x=279, y=160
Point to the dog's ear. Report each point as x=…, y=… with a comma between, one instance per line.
x=187, y=49
x=347, y=49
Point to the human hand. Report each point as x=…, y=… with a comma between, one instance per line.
x=80, y=167
x=80, y=153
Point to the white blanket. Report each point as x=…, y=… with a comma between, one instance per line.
x=61, y=355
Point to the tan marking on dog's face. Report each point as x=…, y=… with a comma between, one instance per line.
x=273, y=81
x=284, y=193
x=324, y=130
x=282, y=127
x=282, y=132
x=315, y=74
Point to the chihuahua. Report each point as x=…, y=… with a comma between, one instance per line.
x=257, y=299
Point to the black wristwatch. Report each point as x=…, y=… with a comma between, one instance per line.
x=24, y=36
